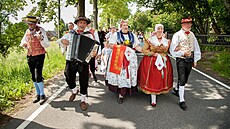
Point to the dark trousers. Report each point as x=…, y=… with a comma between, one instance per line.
x=183, y=70
x=36, y=65
x=92, y=65
x=71, y=68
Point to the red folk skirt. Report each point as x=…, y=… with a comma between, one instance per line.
x=150, y=79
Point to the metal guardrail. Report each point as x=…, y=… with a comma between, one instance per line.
x=212, y=40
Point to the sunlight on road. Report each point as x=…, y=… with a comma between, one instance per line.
x=101, y=122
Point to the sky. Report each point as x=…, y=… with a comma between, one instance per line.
x=67, y=13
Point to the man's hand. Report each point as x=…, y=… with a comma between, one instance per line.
x=24, y=45
x=98, y=57
x=39, y=37
x=187, y=54
x=65, y=42
x=194, y=64
x=93, y=53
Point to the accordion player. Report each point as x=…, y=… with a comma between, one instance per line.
x=81, y=46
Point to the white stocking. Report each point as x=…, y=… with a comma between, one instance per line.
x=181, y=93
x=74, y=90
x=83, y=98
x=153, y=98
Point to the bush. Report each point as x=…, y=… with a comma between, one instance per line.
x=222, y=64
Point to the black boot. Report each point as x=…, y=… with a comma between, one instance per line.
x=175, y=92
x=43, y=98
x=94, y=77
x=183, y=106
x=37, y=99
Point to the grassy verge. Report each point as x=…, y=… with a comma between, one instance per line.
x=221, y=64
x=216, y=59
x=15, y=81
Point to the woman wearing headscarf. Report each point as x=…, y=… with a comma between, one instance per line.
x=155, y=73
x=121, y=74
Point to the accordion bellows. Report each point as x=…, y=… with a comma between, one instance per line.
x=82, y=45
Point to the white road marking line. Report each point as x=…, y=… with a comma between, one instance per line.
x=224, y=85
x=40, y=109
x=221, y=83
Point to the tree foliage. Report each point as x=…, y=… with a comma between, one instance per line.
x=141, y=21
x=9, y=8
x=204, y=12
x=113, y=11
x=12, y=37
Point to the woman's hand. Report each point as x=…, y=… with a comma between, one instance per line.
x=65, y=42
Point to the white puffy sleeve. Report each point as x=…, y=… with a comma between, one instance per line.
x=44, y=40
x=173, y=46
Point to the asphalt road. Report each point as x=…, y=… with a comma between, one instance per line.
x=208, y=108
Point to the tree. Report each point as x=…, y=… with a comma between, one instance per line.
x=141, y=21
x=11, y=37
x=81, y=8
x=95, y=14
x=8, y=8
x=113, y=11
x=202, y=11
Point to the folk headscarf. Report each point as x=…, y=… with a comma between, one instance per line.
x=120, y=35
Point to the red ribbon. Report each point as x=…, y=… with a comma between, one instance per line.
x=187, y=32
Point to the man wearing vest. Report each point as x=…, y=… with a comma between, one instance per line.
x=74, y=66
x=186, y=50
x=35, y=41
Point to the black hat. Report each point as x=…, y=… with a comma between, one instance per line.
x=82, y=18
x=30, y=19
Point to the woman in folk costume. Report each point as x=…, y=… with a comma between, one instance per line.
x=121, y=75
x=35, y=41
x=155, y=73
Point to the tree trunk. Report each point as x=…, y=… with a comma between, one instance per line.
x=81, y=8
x=95, y=13
x=108, y=21
x=0, y=30
x=59, y=18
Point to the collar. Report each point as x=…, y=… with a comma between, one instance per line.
x=185, y=32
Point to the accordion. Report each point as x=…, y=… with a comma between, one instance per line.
x=81, y=46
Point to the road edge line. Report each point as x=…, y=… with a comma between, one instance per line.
x=40, y=109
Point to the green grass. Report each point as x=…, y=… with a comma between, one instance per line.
x=221, y=64
x=15, y=81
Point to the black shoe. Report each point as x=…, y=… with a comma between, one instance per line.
x=43, y=98
x=120, y=100
x=37, y=99
x=175, y=92
x=183, y=106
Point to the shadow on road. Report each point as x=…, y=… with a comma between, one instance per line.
x=208, y=107
x=15, y=122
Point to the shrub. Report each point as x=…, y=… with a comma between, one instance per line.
x=222, y=64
